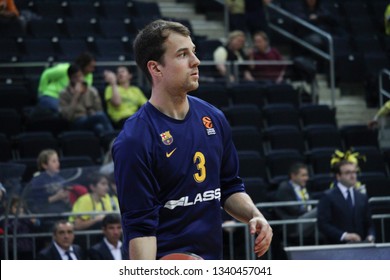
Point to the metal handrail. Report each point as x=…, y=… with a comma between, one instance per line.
x=328, y=56
x=383, y=92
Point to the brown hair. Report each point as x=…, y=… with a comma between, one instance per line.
x=149, y=43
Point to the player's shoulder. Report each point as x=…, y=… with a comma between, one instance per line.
x=200, y=104
x=136, y=130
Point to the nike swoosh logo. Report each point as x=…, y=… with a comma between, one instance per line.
x=170, y=153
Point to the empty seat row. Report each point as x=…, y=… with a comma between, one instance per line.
x=312, y=137
x=68, y=143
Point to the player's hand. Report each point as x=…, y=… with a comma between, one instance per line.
x=264, y=233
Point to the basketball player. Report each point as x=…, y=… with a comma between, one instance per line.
x=175, y=163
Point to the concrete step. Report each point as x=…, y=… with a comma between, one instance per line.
x=180, y=11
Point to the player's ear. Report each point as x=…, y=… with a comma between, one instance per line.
x=154, y=68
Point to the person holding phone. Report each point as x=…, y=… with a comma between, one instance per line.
x=81, y=104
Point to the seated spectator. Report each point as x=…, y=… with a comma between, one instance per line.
x=110, y=248
x=382, y=112
x=97, y=200
x=233, y=51
x=22, y=225
x=313, y=12
x=262, y=51
x=62, y=246
x=122, y=99
x=295, y=190
x=344, y=214
x=54, y=79
x=81, y=105
x=353, y=158
x=47, y=192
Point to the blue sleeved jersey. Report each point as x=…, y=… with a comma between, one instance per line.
x=173, y=176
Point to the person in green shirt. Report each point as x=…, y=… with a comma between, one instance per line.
x=54, y=79
x=122, y=99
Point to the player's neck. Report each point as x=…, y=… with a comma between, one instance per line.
x=174, y=106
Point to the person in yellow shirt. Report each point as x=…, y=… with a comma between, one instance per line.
x=387, y=19
x=383, y=111
x=122, y=98
x=97, y=200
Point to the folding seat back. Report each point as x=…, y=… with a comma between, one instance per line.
x=245, y=114
x=247, y=138
x=323, y=136
x=282, y=93
x=359, y=135
x=284, y=137
x=256, y=188
x=252, y=164
x=80, y=143
x=10, y=121
x=317, y=114
x=6, y=149
x=30, y=144
x=278, y=163
x=281, y=114
x=215, y=94
x=248, y=94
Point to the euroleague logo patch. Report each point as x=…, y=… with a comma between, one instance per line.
x=208, y=124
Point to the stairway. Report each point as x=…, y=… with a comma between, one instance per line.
x=350, y=104
x=201, y=26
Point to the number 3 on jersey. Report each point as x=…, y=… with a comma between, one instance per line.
x=200, y=162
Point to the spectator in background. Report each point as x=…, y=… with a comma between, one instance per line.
x=295, y=190
x=47, y=192
x=315, y=13
x=233, y=51
x=343, y=213
x=382, y=112
x=237, y=20
x=352, y=157
x=122, y=99
x=387, y=20
x=81, y=105
x=62, y=247
x=97, y=200
x=54, y=79
x=110, y=248
x=262, y=51
x=255, y=15
x=20, y=225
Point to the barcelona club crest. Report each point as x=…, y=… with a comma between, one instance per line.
x=166, y=138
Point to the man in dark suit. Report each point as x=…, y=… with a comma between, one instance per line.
x=295, y=190
x=344, y=215
x=62, y=247
x=110, y=248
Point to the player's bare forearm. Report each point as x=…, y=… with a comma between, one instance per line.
x=241, y=207
x=143, y=248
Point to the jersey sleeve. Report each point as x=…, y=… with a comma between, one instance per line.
x=136, y=185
